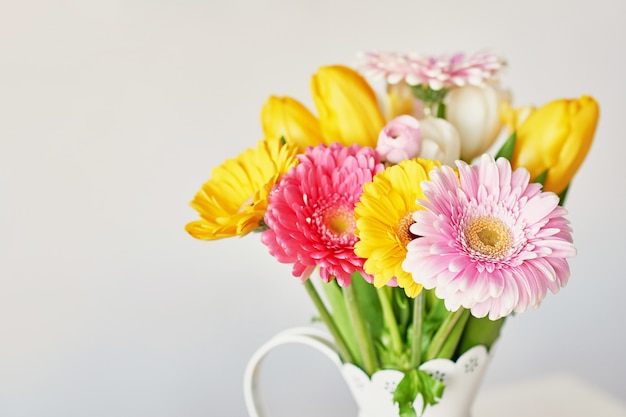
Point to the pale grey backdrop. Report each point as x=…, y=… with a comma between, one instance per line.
x=112, y=114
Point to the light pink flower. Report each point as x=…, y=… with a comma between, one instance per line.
x=435, y=71
x=310, y=214
x=400, y=139
x=490, y=241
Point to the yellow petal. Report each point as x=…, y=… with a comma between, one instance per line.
x=234, y=200
x=347, y=107
x=400, y=100
x=288, y=118
x=556, y=138
x=512, y=117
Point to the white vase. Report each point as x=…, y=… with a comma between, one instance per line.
x=374, y=396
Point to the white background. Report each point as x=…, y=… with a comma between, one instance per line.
x=113, y=113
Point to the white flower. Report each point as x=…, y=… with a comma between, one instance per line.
x=475, y=112
x=440, y=140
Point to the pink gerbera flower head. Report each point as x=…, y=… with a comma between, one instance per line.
x=310, y=213
x=490, y=241
x=437, y=72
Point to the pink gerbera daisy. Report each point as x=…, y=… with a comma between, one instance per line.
x=437, y=72
x=310, y=214
x=490, y=241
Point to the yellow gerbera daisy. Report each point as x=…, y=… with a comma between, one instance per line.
x=234, y=200
x=383, y=216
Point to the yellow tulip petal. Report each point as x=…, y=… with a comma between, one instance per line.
x=584, y=115
x=400, y=100
x=347, y=107
x=556, y=138
x=512, y=117
x=288, y=118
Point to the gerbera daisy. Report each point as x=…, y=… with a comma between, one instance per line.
x=311, y=211
x=383, y=216
x=437, y=72
x=233, y=201
x=490, y=241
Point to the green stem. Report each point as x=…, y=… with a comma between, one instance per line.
x=366, y=345
x=452, y=341
x=337, y=307
x=442, y=334
x=416, y=331
x=344, y=352
x=389, y=318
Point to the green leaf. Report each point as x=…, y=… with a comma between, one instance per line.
x=481, y=331
x=430, y=388
x=541, y=179
x=506, y=151
x=417, y=382
x=405, y=393
x=563, y=195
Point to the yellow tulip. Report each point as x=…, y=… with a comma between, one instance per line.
x=400, y=101
x=556, y=138
x=513, y=117
x=347, y=106
x=288, y=118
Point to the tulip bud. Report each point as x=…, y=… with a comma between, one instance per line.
x=288, y=118
x=440, y=140
x=475, y=112
x=400, y=139
x=347, y=107
x=555, y=139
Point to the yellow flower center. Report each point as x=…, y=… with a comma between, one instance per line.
x=403, y=230
x=488, y=236
x=339, y=225
x=336, y=224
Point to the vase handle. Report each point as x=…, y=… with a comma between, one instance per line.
x=314, y=338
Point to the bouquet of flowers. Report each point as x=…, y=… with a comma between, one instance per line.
x=420, y=237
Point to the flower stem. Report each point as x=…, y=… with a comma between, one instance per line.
x=416, y=331
x=389, y=318
x=442, y=334
x=344, y=352
x=451, y=344
x=363, y=336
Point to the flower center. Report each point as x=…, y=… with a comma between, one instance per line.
x=339, y=224
x=488, y=236
x=336, y=223
x=403, y=230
